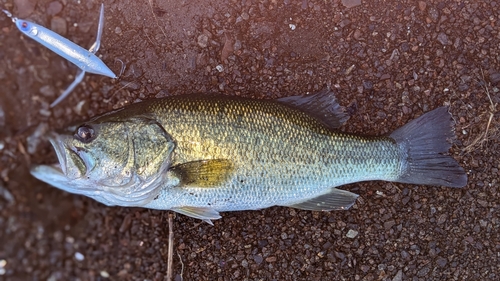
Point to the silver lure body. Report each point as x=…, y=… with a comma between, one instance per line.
x=84, y=59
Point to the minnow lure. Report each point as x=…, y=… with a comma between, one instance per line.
x=86, y=60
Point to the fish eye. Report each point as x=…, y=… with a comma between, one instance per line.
x=85, y=133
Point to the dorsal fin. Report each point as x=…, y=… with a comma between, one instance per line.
x=322, y=105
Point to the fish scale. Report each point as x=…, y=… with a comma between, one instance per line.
x=304, y=159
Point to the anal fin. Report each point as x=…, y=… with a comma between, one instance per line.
x=202, y=213
x=336, y=199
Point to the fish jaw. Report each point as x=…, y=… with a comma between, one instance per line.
x=70, y=164
x=110, y=196
x=53, y=175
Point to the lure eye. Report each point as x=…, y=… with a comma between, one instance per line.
x=85, y=133
x=25, y=26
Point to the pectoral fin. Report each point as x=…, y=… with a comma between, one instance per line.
x=336, y=199
x=205, y=214
x=204, y=173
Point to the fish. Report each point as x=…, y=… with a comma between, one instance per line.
x=200, y=154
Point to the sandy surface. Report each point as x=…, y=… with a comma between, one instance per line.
x=389, y=62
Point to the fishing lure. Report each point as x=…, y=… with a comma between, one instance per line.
x=86, y=60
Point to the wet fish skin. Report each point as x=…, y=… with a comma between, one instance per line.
x=221, y=153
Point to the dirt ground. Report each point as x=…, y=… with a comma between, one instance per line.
x=389, y=62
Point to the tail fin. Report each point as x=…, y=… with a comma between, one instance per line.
x=423, y=141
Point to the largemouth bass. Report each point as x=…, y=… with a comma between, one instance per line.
x=204, y=154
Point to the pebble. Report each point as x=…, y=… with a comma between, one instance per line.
x=351, y=3
x=357, y=34
x=422, y=5
x=54, y=8
x=2, y=117
x=5, y=194
x=389, y=224
x=59, y=25
x=47, y=91
x=36, y=137
x=271, y=259
x=24, y=8
x=203, y=40
x=495, y=77
x=441, y=262
x=351, y=233
x=398, y=276
x=79, y=256
x=443, y=38
x=433, y=14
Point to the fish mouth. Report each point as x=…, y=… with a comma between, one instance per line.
x=71, y=163
x=58, y=146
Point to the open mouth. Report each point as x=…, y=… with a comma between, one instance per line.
x=71, y=164
x=60, y=152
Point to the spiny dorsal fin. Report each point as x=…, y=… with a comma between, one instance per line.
x=203, y=173
x=336, y=199
x=321, y=105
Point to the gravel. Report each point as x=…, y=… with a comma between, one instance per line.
x=389, y=61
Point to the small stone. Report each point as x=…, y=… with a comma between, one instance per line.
x=2, y=117
x=398, y=276
x=262, y=243
x=270, y=259
x=495, y=77
x=389, y=224
x=422, y=5
x=351, y=3
x=368, y=85
x=433, y=14
x=423, y=271
x=441, y=219
x=357, y=34
x=54, y=8
x=441, y=262
x=203, y=40
x=443, y=38
x=58, y=25
x=79, y=256
x=47, y=91
x=385, y=76
x=258, y=259
x=24, y=8
x=35, y=139
x=351, y=233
